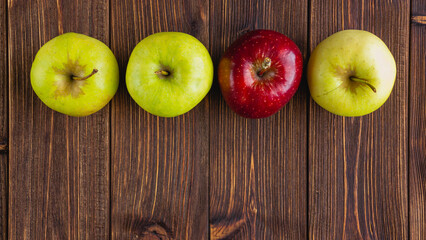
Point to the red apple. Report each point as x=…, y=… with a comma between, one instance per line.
x=259, y=73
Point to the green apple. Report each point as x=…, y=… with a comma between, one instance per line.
x=169, y=73
x=75, y=74
x=351, y=73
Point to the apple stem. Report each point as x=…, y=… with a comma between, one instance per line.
x=266, y=64
x=356, y=79
x=86, y=77
x=162, y=72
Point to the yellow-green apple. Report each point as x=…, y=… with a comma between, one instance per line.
x=259, y=73
x=351, y=73
x=169, y=73
x=75, y=74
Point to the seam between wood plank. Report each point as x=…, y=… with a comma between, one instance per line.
x=7, y=72
x=110, y=129
x=308, y=105
x=408, y=121
x=207, y=99
x=407, y=129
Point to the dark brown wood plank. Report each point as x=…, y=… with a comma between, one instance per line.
x=59, y=165
x=4, y=127
x=358, y=166
x=417, y=139
x=258, y=167
x=159, y=165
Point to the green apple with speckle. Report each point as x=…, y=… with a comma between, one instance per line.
x=75, y=74
x=351, y=73
x=169, y=73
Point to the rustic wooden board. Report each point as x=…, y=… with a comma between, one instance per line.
x=4, y=127
x=59, y=165
x=417, y=139
x=159, y=165
x=302, y=173
x=258, y=167
x=358, y=166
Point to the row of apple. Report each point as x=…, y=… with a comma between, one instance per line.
x=351, y=73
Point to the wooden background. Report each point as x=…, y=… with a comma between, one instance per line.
x=122, y=173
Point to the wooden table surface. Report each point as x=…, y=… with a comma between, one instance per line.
x=122, y=173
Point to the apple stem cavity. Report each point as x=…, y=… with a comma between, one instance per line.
x=266, y=64
x=86, y=77
x=360, y=80
x=163, y=72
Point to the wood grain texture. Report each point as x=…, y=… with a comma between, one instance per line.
x=258, y=167
x=302, y=173
x=418, y=19
x=4, y=127
x=159, y=165
x=358, y=166
x=59, y=165
x=417, y=139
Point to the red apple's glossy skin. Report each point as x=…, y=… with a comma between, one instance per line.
x=251, y=95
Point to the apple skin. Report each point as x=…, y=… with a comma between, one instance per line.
x=189, y=67
x=245, y=91
x=351, y=54
x=73, y=54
